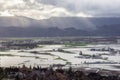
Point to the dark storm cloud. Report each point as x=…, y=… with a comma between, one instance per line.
x=44, y=9
x=92, y=7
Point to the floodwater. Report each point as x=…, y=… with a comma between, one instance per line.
x=25, y=57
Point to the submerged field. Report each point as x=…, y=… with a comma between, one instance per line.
x=63, y=54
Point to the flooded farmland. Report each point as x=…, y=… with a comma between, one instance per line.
x=91, y=56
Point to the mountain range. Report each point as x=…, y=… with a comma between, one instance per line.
x=18, y=26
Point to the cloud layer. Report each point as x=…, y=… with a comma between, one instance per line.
x=43, y=9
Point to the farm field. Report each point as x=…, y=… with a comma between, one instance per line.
x=75, y=56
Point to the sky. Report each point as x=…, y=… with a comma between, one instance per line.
x=44, y=9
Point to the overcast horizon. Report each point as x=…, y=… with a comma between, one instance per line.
x=44, y=9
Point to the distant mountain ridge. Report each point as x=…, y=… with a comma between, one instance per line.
x=59, y=26
x=60, y=22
